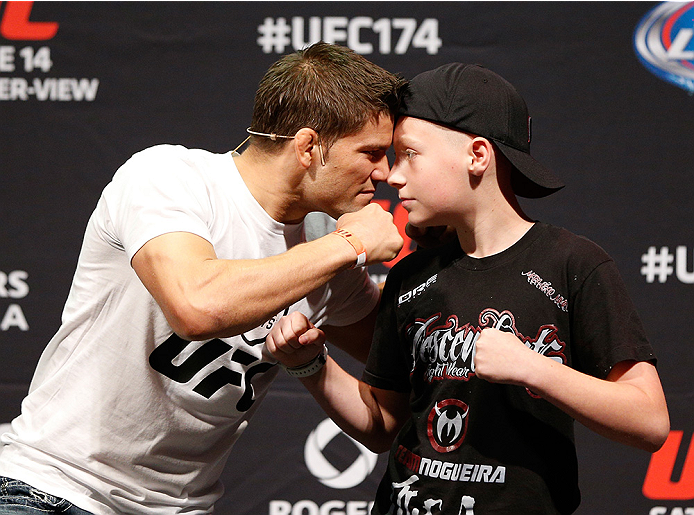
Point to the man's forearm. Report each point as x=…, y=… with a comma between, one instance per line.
x=204, y=297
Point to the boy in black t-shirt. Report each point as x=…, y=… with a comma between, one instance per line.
x=488, y=347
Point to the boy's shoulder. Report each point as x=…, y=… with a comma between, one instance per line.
x=573, y=246
x=422, y=264
x=434, y=255
x=547, y=240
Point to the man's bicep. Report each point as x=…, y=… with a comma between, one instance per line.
x=167, y=265
x=170, y=254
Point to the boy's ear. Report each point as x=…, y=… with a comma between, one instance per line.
x=305, y=141
x=480, y=152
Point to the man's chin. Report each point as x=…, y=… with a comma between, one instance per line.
x=359, y=203
x=338, y=212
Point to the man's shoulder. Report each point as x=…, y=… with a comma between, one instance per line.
x=167, y=151
x=173, y=162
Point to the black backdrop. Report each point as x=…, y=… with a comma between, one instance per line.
x=83, y=85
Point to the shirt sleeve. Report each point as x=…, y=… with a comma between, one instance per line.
x=606, y=328
x=156, y=192
x=353, y=295
x=390, y=363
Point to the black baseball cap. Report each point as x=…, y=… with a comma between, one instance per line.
x=473, y=99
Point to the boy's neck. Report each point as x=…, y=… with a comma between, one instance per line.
x=494, y=229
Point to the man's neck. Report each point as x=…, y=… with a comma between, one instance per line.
x=273, y=183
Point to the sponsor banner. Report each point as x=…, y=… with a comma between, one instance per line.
x=660, y=482
x=669, y=481
x=661, y=264
x=300, y=462
x=13, y=288
x=33, y=61
x=324, y=471
x=664, y=41
x=363, y=34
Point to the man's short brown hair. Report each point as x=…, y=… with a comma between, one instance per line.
x=326, y=87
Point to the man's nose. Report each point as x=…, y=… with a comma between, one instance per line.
x=381, y=170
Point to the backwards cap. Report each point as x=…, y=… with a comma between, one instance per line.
x=473, y=99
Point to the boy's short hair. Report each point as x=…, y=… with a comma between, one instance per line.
x=475, y=100
x=326, y=87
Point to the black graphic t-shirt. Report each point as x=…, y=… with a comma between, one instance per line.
x=472, y=447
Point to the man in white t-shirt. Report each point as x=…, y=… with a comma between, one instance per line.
x=187, y=261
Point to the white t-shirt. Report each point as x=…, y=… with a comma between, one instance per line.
x=122, y=415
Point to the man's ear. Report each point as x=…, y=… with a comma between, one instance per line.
x=305, y=142
x=480, y=153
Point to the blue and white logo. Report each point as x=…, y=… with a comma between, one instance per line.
x=664, y=42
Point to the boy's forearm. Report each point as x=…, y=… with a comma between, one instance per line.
x=352, y=406
x=628, y=407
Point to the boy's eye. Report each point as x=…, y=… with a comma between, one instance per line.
x=410, y=154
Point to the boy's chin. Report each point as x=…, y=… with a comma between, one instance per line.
x=419, y=222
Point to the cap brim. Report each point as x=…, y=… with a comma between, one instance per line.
x=534, y=180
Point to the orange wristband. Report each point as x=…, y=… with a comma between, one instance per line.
x=356, y=244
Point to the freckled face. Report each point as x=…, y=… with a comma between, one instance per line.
x=428, y=172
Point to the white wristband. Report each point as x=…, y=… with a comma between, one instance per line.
x=310, y=368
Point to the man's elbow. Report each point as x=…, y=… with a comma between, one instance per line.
x=191, y=330
x=195, y=323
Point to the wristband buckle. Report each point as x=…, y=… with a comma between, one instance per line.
x=310, y=368
x=356, y=244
